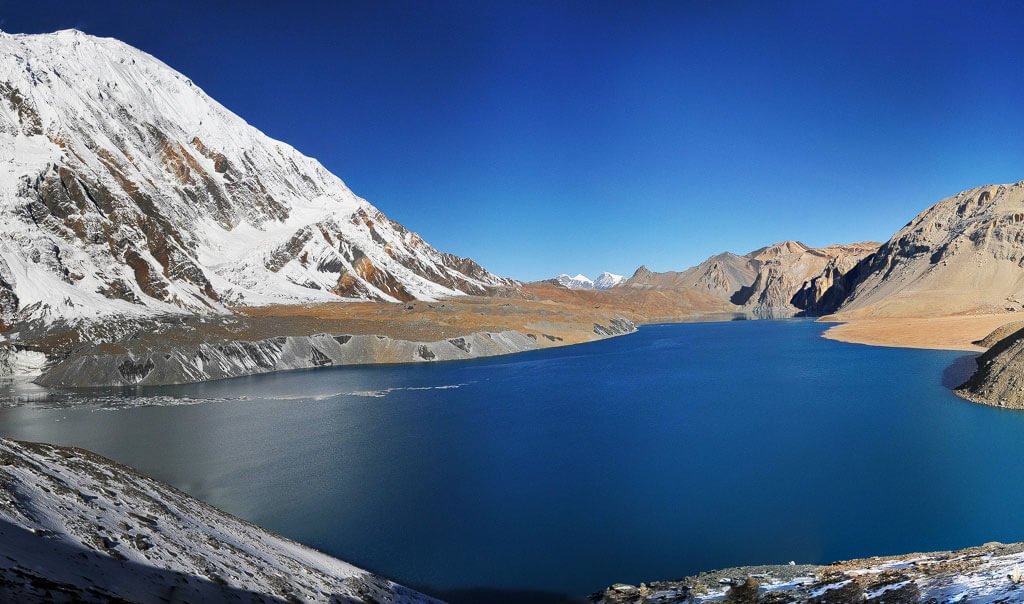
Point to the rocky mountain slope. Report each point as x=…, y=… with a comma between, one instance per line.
x=989, y=574
x=963, y=255
x=125, y=189
x=782, y=279
x=76, y=527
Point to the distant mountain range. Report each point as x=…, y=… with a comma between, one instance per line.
x=125, y=189
x=605, y=280
x=782, y=279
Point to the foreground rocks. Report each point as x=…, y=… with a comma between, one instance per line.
x=989, y=573
x=76, y=527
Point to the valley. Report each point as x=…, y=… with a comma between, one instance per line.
x=153, y=244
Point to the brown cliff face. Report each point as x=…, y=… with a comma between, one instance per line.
x=790, y=273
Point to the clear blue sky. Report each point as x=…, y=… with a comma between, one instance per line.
x=542, y=137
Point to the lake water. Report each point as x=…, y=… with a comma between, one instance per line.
x=554, y=473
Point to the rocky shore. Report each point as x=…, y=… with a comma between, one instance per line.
x=999, y=379
x=986, y=574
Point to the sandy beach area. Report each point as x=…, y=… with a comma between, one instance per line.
x=957, y=332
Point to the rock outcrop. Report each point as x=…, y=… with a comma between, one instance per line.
x=999, y=378
x=76, y=527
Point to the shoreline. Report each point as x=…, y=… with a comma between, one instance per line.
x=270, y=339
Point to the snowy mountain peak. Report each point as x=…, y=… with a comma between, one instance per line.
x=605, y=281
x=608, y=280
x=577, y=282
x=124, y=188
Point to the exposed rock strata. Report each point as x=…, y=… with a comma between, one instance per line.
x=989, y=573
x=76, y=527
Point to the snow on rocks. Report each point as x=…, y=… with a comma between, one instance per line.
x=986, y=574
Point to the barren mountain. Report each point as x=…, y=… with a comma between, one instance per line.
x=721, y=276
x=963, y=255
x=125, y=189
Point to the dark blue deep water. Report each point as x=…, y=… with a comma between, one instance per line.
x=677, y=449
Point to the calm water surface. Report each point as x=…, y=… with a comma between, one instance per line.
x=680, y=448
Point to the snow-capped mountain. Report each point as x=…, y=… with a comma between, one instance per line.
x=577, y=282
x=605, y=281
x=608, y=280
x=124, y=188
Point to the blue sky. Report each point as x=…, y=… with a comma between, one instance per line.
x=542, y=137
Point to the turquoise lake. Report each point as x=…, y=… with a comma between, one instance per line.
x=548, y=475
